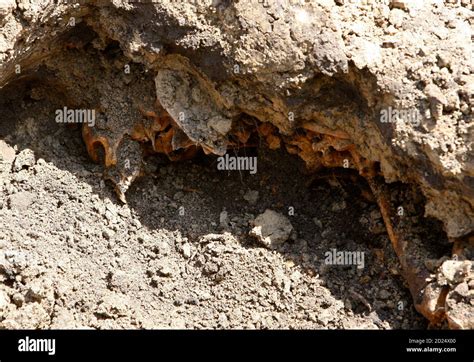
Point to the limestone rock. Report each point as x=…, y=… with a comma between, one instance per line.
x=271, y=228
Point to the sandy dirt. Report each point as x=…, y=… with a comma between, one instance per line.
x=178, y=255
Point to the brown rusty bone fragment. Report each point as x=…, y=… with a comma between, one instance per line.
x=428, y=296
x=155, y=126
x=94, y=139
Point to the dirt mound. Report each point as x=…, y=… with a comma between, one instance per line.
x=381, y=92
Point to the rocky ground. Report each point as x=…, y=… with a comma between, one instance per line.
x=304, y=85
x=179, y=254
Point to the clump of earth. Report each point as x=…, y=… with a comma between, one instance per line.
x=117, y=209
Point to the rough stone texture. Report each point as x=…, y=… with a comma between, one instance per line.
x=333, y=68
x=7, y=153
x=459, y=309
x=271, y=228
x=6, y=6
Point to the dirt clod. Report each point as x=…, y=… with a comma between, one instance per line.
x=271, y=228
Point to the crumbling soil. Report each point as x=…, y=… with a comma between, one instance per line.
x=73, y=256
x=129, y=222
